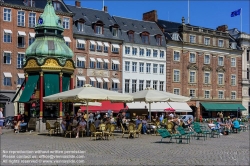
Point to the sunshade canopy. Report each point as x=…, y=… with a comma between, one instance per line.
x=223, y=106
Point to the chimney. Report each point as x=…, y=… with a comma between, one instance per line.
x=150, y=16
x=222, y=28
x=105, y=9
x=78, y=3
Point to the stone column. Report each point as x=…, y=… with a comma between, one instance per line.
x=41, y=103
x=26, y=105
x=60, y=90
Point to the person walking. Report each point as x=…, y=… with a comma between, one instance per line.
x=1, y=120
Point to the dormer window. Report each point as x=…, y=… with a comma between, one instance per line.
x=233, y=45
x=98, y=27
x=80, y=25
x=145, y=37
x=57, y=5
x=115, y=31
x=158, y=40
x=131, y=36
x=175, y=36
x=29, y=3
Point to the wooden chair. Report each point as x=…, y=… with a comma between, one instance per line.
x=51, y=129
x=57, y=128
x=94, y=132
x=124, y=131
x=138, y=130
x=68, y=131
x=131, y=130
x=157, y=124
x=110, y=131
x=170, y=127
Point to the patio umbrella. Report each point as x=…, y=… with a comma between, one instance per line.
x=87, y=94
x=149, y=95
x=170, y=109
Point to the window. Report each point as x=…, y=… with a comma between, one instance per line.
x=20, y=58
x=7, y=81
x=115, y=49
x=91, y=64
x=99, y=47
x=134, y=51
x=155, y=53
x=65, y=23
x=175, y=36
x=220, y=79
x=80, y=26
x=7, y=37
x=98, y=84
x=233, y=45
x=134, y=86
x=207, y=59
x=207, y=94
x=31, y=40
x=161, y=69
x=32, y=20
x=141, y=67
x=127, y=85
x=155, y=84
x=98, y=65
x=148, y=68
x=207, y=41
x=105, y=65
x=105, y=85
x=98, y=29
x=220, y=43
x=92, y=83
x=192, y=93
x=192, y=77
x=80, y=44
x=192, y=39
x=105, y=48
x=21, y=18
x=176, y=76
x=233, y=95
x=7, y=57
x=206, y=78
x=233, y=62
x=248, y=55
x=134, y=67
x=233, y=79
x=176, y=91
x=176, y=56
x=114, y=66
x=92, y=47
x=131, y=36
x=21, y=41
x=161, y=54
x=115, y=31
x=141, y=85
x=220, y=61
x=220, y=94
x=7, y=14
x=148, y=83
x=127, y=50
x=155, y=68
x=57, y=5
x=161, y=85
x=127, y=66
x=141, y=52
x=192, y=58
x=145, y=38
x=81, y=62
x=20, y=80
x=158, y=40
x=148, y=52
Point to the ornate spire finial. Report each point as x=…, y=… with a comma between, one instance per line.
x=49, y=2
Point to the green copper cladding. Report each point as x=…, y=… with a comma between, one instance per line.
x=49, y=40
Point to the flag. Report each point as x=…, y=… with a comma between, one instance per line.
x=236, y=13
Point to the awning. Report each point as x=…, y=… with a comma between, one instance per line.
x=116, y=62
x=106, y=79
x=99, y=43
x=115, y=80
x=92, y=78
x=51, y=84
x=99, y=79
x=180, y=106
x=105, y=107
x=7, y=74
x=81, y=41
x=92, y=59
x=21, y=52
x=20, y=75
x=106, y=60
x=155, y=107
x=115, y=45
x=223, y=106
x=81, y=58
x=81, y=78
x=92, y=42
x=106, y=44
x=32, y=34
x=67, y=39
x=21, y=33
x=29, y=88
x=7, y=31
x=99, y=59
x=7, y=52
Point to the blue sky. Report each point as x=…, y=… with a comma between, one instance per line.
x=208, y=14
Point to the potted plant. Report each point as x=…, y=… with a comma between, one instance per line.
x=34, y=113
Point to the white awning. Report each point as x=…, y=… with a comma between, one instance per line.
x=115, y=80
x=32, y=34
x=81, y=41
x=92, y=78
x=116, y=45
x=6, y=74
x=92, y=59
x=99, y=43
x=106, y=44
x=106, y=60
x=99, y=79
x=7, y=52
x=92, y=42
x=155, y=107
x=20, y=75
x=81, y=78
x=106, y=79
x=67, y=39
x=80, y=58
x=99, y=59
x=115, y=61
x=21, y=52
x=7, y=31
x=21, y=33
x=180, y=106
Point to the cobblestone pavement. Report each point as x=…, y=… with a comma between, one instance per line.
x=146, y=150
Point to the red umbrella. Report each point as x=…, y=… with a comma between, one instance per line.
x=170, y=109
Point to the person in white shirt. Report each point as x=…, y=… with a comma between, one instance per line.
x=1, y=120
x=82, y=125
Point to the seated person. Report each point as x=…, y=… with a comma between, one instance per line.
x=211, y=125
x=64, y=124
x=112, y=120
x=81, y=126
x=74, y=123
x=189, y=122
x=23, y=125
x=124, y=123
x=137, y=121
x=97, y=122
x=144, y=125
x=236, y=124
x=182, y=124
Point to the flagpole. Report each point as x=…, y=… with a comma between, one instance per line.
x=188, y=11
x=241, y=20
